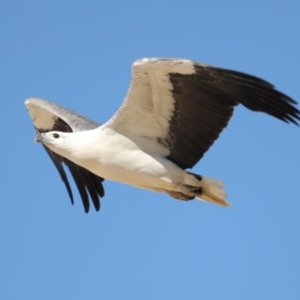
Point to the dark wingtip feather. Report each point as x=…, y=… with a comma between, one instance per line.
x=256, y=94
x=57, y=161
x=80, y=186
x=89, y=185
x=84, y=180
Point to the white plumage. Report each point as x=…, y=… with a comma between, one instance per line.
x=174, y=110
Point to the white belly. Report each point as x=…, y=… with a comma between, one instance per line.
x=117, y=158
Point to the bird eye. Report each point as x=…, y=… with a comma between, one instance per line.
x=55, y=135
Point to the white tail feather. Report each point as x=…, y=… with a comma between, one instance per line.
x=212, y=191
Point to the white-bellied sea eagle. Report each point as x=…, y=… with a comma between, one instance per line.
x=174, y=111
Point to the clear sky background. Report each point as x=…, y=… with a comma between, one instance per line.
x=143, y=245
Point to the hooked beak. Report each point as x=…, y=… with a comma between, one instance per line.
x=40, y=138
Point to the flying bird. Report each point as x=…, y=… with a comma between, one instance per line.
x=173, y=112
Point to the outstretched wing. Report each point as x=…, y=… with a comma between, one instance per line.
x=183, y=106
x=48, y=116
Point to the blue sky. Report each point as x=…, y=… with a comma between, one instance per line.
x=143, y=245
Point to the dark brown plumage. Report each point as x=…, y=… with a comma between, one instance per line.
x=207, y=98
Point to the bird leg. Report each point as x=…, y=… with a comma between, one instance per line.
x=186, y=192
x=180, y=196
